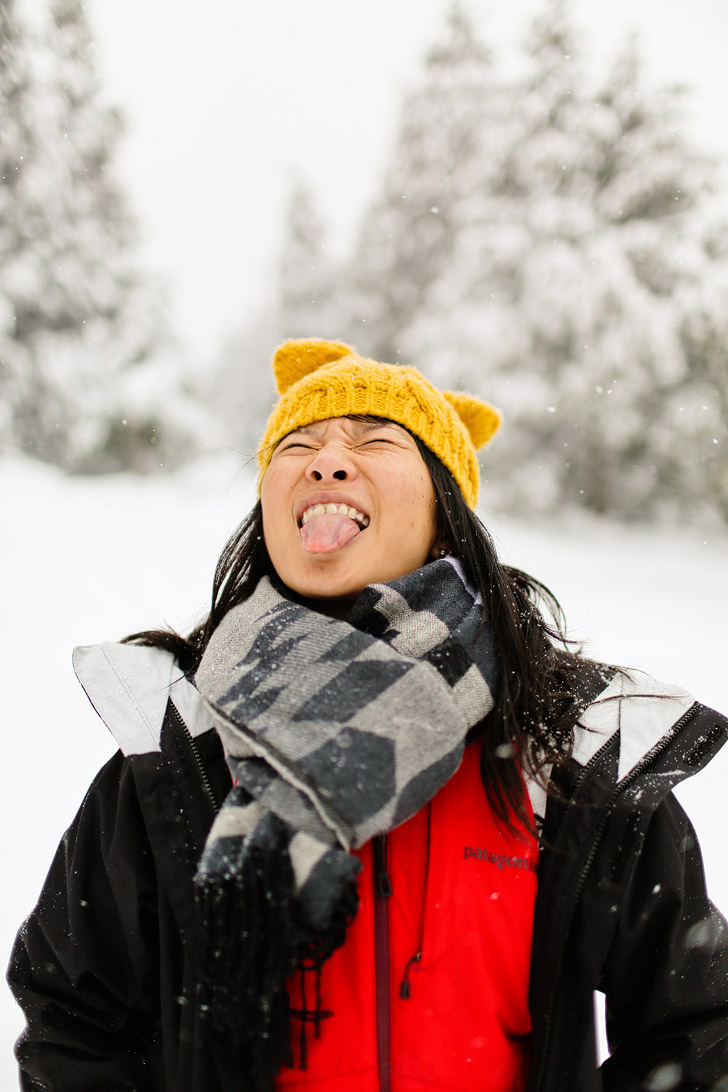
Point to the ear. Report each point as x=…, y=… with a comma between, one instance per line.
x=481, y=420
x=294, y=359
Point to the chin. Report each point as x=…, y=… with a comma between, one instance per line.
x=327, y=577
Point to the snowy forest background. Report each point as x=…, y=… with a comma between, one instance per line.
x=543, y=230
x=554, y=243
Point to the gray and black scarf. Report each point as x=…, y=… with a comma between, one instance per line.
x=334, y=732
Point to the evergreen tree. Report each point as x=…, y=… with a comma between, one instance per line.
x=443, y=156
x=240, y=391
x=19, y=220
x=701, y=411
x=84, y=318
x=566, y=306
x=634, y=376
x=305, y=275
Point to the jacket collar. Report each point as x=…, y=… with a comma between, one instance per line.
x=129, y=685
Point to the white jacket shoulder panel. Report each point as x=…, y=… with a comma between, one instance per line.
x=635, y=708
x=641, y=709
x=129, y=685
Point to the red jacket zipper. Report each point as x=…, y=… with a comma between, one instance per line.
x=382, y=893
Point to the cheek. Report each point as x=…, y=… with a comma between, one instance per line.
x=425, y=499
x=414, y=506
x=269, y=537
x=273, y=509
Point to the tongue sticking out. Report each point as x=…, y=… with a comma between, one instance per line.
x=326, y=533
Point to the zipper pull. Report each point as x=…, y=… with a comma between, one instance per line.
x=382, y=880
x=404, y=986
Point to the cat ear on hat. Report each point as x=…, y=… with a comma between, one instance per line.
x=481, y=420
x=294, y=359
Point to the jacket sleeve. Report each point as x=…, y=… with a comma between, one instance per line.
x=666, y=975
x=82, y=967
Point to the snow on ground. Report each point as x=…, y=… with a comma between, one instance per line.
x=90, y=559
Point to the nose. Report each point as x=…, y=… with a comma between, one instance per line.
x=332, y=462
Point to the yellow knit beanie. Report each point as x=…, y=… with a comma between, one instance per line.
x=321, y=379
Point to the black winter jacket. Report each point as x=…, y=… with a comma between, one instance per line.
x=105, y=969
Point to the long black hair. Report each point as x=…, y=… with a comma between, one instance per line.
x=537, y=703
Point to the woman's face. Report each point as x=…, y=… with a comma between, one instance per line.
x=347, y=503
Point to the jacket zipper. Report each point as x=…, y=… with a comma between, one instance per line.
x=382, y=893
x=186, y=736
x=614, y=796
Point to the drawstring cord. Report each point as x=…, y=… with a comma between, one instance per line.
x=404, y=986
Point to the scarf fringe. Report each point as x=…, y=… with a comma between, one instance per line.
x=248, y=949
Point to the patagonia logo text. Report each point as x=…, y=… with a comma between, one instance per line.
x=501, y=860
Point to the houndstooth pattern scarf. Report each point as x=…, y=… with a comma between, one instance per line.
x=334, y=732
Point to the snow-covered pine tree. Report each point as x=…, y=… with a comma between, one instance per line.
x=87, y=318
x=564, y=301
x=442, y=158
x=305, y=274
x=514, y=258
x=701, y=407
x=19, y=215
x=240, y=391
x=621, y=397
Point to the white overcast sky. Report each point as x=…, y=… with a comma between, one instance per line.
x=225, y=101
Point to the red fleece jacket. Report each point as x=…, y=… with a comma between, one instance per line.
x=458, y=927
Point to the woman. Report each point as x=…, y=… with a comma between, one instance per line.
x=445, y=830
